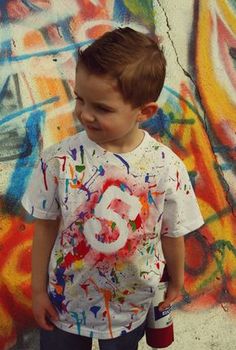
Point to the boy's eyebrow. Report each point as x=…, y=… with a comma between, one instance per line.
x=98, y=104
x=103, y=105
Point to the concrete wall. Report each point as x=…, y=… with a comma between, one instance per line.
x=196, y=118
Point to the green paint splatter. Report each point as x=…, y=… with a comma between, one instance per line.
x=59, y=260
x=79, y=168
x=80, y=226
x=133, y=225
x=143, y=10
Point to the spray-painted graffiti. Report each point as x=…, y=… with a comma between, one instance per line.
x=216, y=81
x=38, y=44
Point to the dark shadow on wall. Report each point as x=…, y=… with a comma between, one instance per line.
x=28, y=341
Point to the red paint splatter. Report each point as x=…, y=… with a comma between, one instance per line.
x=85, y=286
x=64, y=162
x=138, y=221
x=178, y=182
x=81, y=250
x=55, y=180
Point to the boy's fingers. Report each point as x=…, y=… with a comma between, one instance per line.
x=170, y=298
x=52, y=312
x=43, y=322
x=164, y=305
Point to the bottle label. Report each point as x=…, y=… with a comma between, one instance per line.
x=160, y=314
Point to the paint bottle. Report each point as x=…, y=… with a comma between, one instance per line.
x=159, y=329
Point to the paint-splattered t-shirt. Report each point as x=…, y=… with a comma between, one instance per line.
x=107, y=259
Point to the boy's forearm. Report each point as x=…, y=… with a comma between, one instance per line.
x=173, y=249
x=43, y=241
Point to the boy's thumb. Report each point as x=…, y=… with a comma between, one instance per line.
x=164, y=305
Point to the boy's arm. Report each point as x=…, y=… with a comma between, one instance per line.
x=43, y=241
x=173, y=249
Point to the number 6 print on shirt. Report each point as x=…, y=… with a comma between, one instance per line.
x=92, y=226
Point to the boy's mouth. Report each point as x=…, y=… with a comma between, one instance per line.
x=92, y=127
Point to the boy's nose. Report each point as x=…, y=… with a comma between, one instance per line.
x=87, y=116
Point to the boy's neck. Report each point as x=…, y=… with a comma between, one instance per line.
x=125, y=146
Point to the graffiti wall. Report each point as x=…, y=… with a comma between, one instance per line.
x=196, y=118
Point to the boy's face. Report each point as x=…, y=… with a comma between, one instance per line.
x=108, y=120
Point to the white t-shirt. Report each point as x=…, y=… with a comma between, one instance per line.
x=107, y=259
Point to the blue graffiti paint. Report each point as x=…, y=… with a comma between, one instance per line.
x=225, y=166
x=32, y=108
x=24, y=165
x=31, y=6
x=71, y=47
x=179, y=97
x=223, y=149
x=64, y=26
x=4, y=88
x=120, y=12
x=5, y=46
x=158, y=124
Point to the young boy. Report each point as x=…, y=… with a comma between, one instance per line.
x=112, y=205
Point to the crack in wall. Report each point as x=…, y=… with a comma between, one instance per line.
x=173, y=44
x=220, y=173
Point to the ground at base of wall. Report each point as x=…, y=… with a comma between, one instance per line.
x=213, y=329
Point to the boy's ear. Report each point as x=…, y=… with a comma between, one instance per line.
x=147, y=111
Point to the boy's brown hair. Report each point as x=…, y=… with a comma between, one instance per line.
x=133, y=59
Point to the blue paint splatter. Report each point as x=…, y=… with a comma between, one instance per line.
x=123, y=161
x=147, y=178
x=44, y=203
x=150, y=198
x=80, y=319
x=94, y=310
x=101, y=171
x=73, y=153
x=82, y=154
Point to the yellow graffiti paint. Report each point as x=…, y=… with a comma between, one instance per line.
x=227, y=13
x=215, y=97
x=17, y=281
x=6, y=324
x=5, y=225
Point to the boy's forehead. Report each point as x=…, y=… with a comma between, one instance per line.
x=108, y=79
x=102, y=80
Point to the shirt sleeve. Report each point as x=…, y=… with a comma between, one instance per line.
x=41, y=197
x=181, y=213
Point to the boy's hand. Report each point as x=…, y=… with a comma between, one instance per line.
x=172, y=294
x=43, y=311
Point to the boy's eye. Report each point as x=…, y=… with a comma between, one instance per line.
x=103, y=109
